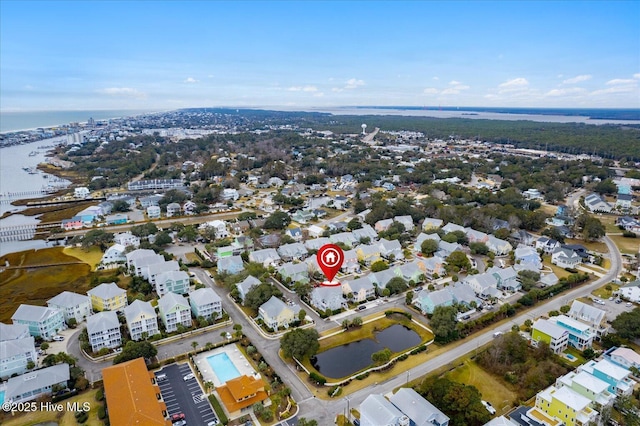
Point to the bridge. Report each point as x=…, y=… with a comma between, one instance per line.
x=26, y=232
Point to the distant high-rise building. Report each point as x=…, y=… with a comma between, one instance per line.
x=91, y=122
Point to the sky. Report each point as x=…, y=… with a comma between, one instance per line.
x=162, y=55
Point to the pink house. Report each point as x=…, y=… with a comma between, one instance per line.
x=73, y=223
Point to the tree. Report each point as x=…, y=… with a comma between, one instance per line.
x=356, y=322
x=302, y=421
x=194, y=345
x=627, y=324
x=133, y=350
x=120, y=206
x=277, y=220
x=163, y=238
x=429, y=247
x=408, y=298
x=238, y=329
x=382, y=356
x=300, y=343
x=301, y=315
x=443, y=323
x=458, y=261
x=97, y=237
x=44, y=346
x=354, y=224
x=397, y=285
x=606, y=187
x=462, y=403
x=379, y=265
x=259, y=294
x=479, y=248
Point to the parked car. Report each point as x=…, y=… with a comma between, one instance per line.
x=58, y=338
x=188, y=377
x=489, y=407
x=497, y=334
x=629, y=304
x=177, y=417
x=362, y=307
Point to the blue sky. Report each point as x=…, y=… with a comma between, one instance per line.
x=165, y=55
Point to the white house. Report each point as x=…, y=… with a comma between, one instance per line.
x=126, y=239
x=219, y=227
x=324, y=298
x=153, y=212
x=103, y=330
x=15, y=355
x=565, y=258
x=172, y=282
x=81, y=192
x=631, y=291
x=72, y=305
x=596, y=203
x=205, y=302
x=360, y=289
x=114, y=254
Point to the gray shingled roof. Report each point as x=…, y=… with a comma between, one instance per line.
x=68, y=299
x=11, y=348
x=33, y=313
x=138, y=307
x=106, y=291
x=205, y=296
x=419, y=410
x=105, y=320
x=35, y=380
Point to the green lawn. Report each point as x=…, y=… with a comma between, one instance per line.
x=626, y=245
x=603, y=293
x=491, y=388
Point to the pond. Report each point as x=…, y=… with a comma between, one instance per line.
x=347, y=359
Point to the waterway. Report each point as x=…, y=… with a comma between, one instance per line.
x=348, y=359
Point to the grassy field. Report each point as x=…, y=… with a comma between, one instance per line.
x=598, y=246
x=626, y=245
x=91, y=257
x=35, y=285
x=491, y=388
x=603, y=293
x=64, y=418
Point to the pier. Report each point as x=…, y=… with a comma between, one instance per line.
x=27, y=232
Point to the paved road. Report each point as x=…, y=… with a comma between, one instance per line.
x=325, y=411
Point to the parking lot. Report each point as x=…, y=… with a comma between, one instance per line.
x=184, y=396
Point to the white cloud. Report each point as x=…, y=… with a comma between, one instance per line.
x=302, y=89
x=516, y=84
x=336, y=89
x=454, y=90
x=354, y=83
x=620, y=81
x=430, y=91
x=318, y=94
x=623, y=88
x=565, y=92
x=637, y=76
x=123, y=92
x=454, y=83
x=190, y=80
x=577, y=79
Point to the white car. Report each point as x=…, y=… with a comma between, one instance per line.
x=489, y=407
x=58, y=338
x=188, y=377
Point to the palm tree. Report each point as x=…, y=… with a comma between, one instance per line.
x=194, y=345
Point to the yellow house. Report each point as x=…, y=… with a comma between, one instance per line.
x=431, y=224
x=108, y=297
x=368, y=254
x=275, y=313
x=567, y=406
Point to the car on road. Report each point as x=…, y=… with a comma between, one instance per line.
x=362, y=307
x=489, y=407
x=497, y=334
x=189, y=377
x=58, y=338
x=629, y=304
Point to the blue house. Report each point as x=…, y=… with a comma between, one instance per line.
x=230, y=265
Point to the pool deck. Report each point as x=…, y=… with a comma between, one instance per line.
x=235, y=355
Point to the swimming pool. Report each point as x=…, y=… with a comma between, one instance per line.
x=570, y=357
x=1, y=397
x=222, y=367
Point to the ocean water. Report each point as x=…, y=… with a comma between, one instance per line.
x=14, y=121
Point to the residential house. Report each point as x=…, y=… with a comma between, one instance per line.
x=431, y=266
x=383, y=225
x=631, y=291
x=81, y=192
x=565, y=258
x=413, y=272
x=265, y=257
x=15, y=356
x=391, y=249
x=136, y=256
x=350, y=264
x=316, y=243
x=592, y=388
x=368, y=253
x=72, y=305
x=275, y=181
x=114, y=254
x=507, y=278
x=174, y=310
x=595, y=318
x=445, y=249
x=345, y=238
x=547, y=245
x=139, y=403
x=522, y=237
x=294, y=233
x=476, y=236
x=154, y=270
x=532, y=194
x=462, y=294
x=246, y=285
x=269, y=240
x=42, y=321
x=231, y=264
x=230, y=194
x=293, y=251
x=13, y=331
x=618, y=378
x=151, y=200
x=501, y=421
x=363, y=215
x=628, y=223
x=205, y=303
x=595, y=203
x=225, y=251
x=420, y=411
x=72, y=224
x=422, y=237
x=219, y=228
x=360, y=289
x=450, y=227
x=377, y=410
x=303, y=216
x=382, y=278
x=427, y=301
x=103, y=330
x=275, y=313
x=173, y=209
x=407, y=221
x=484, y=285
x=172, y=282
x=294, y=272
x=189, y=208
x=498, y=247
x=141, y=320
x=526, y=254
x=624, y=357
x=567, y=406
x=36, y=384
x=126, y=239
x=241, y=393
x=340, y=202
x=580, y=335
x=324, y=298
x=117, y=219
x=547, y=331
x=153, y=212
x=547, y=280
x=315, y=231
x=364, y=233
x=107, y=297
x=431, y=224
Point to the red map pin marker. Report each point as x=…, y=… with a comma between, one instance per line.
x=330, y=258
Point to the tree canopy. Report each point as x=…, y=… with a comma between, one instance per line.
x=443, y=323
x=260, y=294
x=133, y=350
x=300, y=343
x=462, y=403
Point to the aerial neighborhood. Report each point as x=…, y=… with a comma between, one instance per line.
x=482, y=282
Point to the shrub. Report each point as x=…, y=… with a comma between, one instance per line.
x=317, y=378
x=218, y=409
x=102, y=413
x=100, y=395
